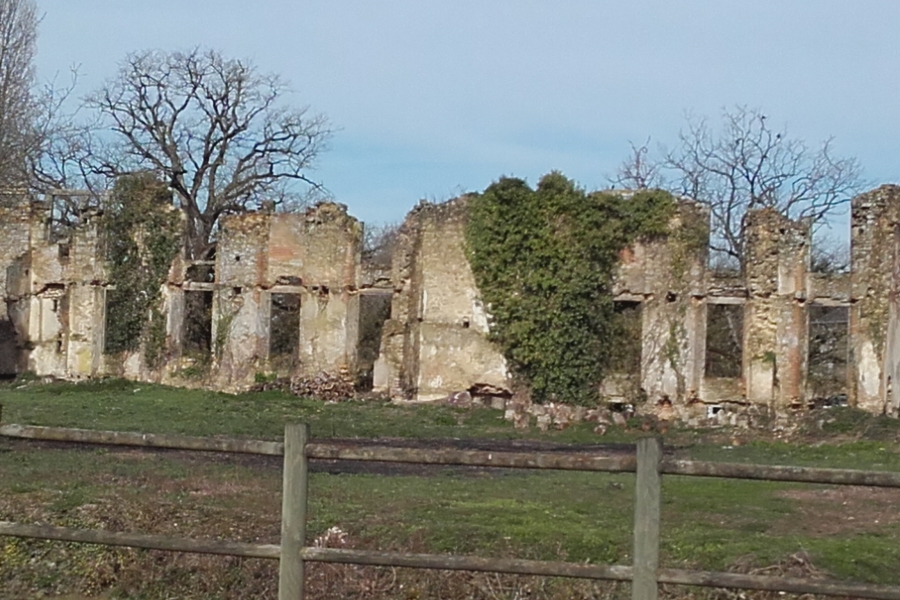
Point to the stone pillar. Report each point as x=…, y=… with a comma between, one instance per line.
x=775, y=341
x=82, y=269
x=15, y=212
x=874, y=312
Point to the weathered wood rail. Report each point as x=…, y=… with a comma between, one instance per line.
x=648, y=462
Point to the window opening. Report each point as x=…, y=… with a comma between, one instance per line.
x=284, y=329
x=374, y=310
x=724, y=340
x=829, y=349
x=627, y=323
x=197, y=325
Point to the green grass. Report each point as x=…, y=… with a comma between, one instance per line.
x=707, y=523
x=129, y=406
x=858, y=454
x=583, y=517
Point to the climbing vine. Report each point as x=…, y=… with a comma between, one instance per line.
x=544, y=260
x=142, y=235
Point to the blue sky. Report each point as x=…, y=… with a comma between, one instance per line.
x=435, y=98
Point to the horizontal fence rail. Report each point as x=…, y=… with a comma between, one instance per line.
x=475, y=458
x=140, y=540
x=781, y=473
x=645, y=574
x=142, y=440
x=576, y=461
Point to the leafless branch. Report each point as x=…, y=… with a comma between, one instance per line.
x=638, y=171
x=18, y=36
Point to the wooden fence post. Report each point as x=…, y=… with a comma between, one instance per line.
x=646, y=520
x=293, y=512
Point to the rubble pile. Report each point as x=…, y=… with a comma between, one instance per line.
x=328, y=387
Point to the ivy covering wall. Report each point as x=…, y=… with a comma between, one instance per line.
x=143, y=234
x=544, y=260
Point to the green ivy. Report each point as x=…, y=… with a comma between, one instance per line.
x=142, y=234
x=544, y=261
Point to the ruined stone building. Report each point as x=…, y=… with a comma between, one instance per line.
x=291, y=294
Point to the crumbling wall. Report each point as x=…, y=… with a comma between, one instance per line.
x=673, y=329
x=436, y=342
x=666, y=278
x=54, y=299
x=54, y=294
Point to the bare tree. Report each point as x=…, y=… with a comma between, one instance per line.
x=214, y=128
x=639, y=171
x=18, y=37
x=378, y=244
x=746, y=165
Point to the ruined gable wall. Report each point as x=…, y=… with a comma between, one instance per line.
x=437, y=313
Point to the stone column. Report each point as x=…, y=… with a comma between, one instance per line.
x=775, y=323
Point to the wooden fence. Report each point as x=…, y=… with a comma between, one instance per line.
x=648, y=462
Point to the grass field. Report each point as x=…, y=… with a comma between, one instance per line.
x=850, y=533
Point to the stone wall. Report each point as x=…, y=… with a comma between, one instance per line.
x=53, y=315
x=282, y=298
x=434, y=346
x=313, y=257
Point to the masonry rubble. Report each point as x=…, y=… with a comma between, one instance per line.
x=290, y=295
